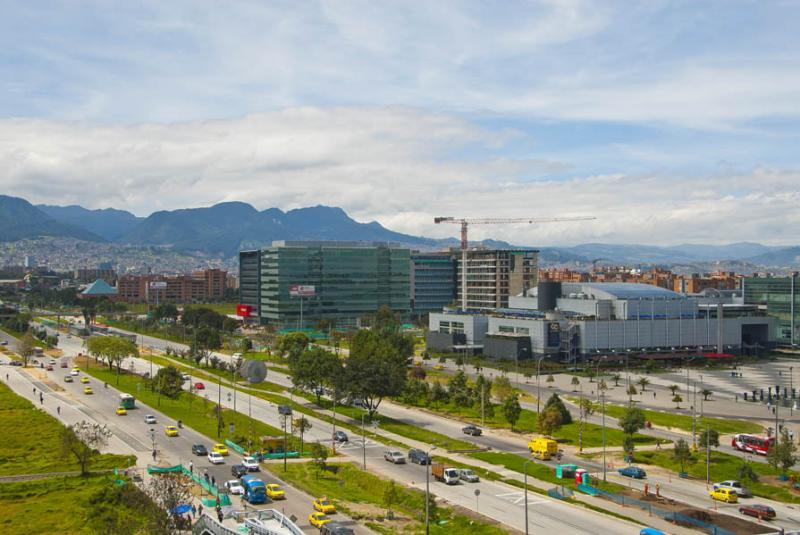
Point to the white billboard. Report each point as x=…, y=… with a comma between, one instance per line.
x=301, y=290
x=157, y=285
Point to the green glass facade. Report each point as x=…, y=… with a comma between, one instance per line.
x=351, y=280
x=781, y=297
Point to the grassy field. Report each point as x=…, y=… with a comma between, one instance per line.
x=221, y=308
x=195, y=411
x=724, y=466
x=683, y=422
x=346, y=485
x=36, y=448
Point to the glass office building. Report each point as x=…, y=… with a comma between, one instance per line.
x=781, y=298
x=349, y=280
x=433, y=282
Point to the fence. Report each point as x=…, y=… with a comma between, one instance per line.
x=669, y=516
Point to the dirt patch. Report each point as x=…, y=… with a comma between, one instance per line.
x=728, y=522
x=372, y=513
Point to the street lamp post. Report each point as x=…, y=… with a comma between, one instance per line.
x=603, y=406
x=525, y=484
x=364, y=441
x=428, y=491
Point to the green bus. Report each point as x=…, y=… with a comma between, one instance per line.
x=127, y=401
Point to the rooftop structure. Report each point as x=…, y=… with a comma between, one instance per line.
x=99, y=288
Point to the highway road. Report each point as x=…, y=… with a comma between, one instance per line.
x=498, y=501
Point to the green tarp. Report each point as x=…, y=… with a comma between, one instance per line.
x=234, y=446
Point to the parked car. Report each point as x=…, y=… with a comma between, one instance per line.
x=335, y=528
x=633, y=471
x=199, y=449
x=199, y=386
x=251, y=464
x=340, y=436
x=238, y=470
x=465, y=474
x=724, y=494
x=758, y=510
x=215, y=458
x=741, y=490
x=394, y=457
x=473, y=430
x=234, y=487
x=418, y=456
x=149, y=419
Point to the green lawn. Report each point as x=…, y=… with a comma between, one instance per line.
x=194, y=410
x=680, y=421
x=36, y=447
x=345, y=483
x=724, y=466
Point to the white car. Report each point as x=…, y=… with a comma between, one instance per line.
x=234, y=487
x=251, y=464
x=185, y=377
x=149, y=419
x=74, y=372
x=215, y=458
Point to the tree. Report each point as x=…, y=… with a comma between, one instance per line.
x=208, y=338
x=169, y=491
x=548, y=421
x=501, y=388
x=555, y=402
x=165, y=311
x=616, y=378
x=512, y=409
x=674, y=389
x=602, y=386
x=82, y=440
x=745, y=471
x=168, y=381
x=377, y=365
x=319, y=456
x=88, y=311
x=631, y=392
x=631, y=421
x=458, y=389
x=709, y=437
x=418, y=373
x=302, y=425
x=550, y=379
x=783, y=454
x=312, y=369
x=682, y=453
x=391, y=495
x=706, y=392
x=676, y=399
x=575, y=382
x=643, y=382
x=26, y=347
x=438, y=394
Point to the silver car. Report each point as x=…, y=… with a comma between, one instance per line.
x=395, y=457
x=465, y=474
x=741, y=490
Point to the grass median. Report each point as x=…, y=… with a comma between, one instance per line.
x=35, y=446
x=361, y=495
x=193, y=410
x=683, y=422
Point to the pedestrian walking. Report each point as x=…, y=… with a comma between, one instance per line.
x=34, y=390
x=219, y=515
x=58, y=410
x=7, y=377
x=654, y=395
x=194, y=510
x=154, y=455
x=658, y=489
x=41, y=398
x=200, y=510
x=191, y=467
x=214, y=481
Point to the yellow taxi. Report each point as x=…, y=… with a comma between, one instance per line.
x=222, y=449
x=438, y=366
x=171, y=431
x=75, y=371
x=318, y=519
x=724, y=495
x=275, y=492
x=324, y=505
x=84, y=379
x=88, y=390
x=121, y=411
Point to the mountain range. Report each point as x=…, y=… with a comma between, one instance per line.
x=226, y=228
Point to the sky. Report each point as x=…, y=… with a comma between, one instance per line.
x=669, y=121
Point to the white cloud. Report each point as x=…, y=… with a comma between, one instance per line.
x=394, y=165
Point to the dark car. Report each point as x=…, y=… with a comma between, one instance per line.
x=238, y=470
x=633, y=471
x=335, y=528
x=758, y=510
x=419, y=457
x=340, y=436
x=473, y=430
x=199, y=449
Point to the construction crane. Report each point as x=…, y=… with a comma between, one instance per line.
x=464, y=222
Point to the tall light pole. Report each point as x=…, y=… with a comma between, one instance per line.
x=428, y=491
x=525, y=484
x=603, y=405
x=538, y=388
x=364, y=441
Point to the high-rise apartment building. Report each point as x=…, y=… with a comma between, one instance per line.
x=433, y=281
x=494, y=275
x=780, y=297
x=205, y=285
x=338, y=282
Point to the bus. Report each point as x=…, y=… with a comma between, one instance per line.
x=752, y=443
x=127, y=401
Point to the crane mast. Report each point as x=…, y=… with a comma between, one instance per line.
x=465, y=222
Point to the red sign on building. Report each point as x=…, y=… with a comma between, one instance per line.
x=244, y=310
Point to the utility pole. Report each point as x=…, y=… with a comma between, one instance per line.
x=428, y=491
x=483, y=396
x=219, y=406
x=333, y=441
x=694, y=404
x=580, y=423
x=603, y=405
x=538, y=389
x=708, y=457
x=364, y=441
